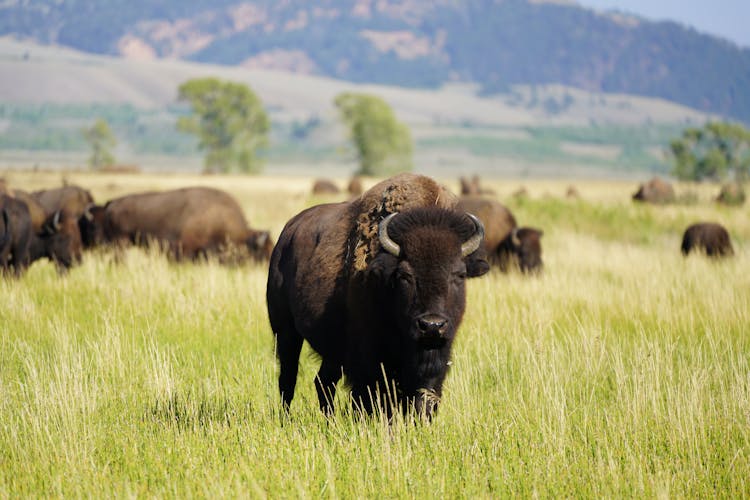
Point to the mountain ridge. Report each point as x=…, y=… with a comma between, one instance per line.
x=494, y=44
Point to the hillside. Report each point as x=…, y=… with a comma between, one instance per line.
x=495, y=45
x=47, y=94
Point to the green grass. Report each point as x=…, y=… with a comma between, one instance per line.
x=624, y=370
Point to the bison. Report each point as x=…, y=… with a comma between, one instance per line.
x=473, y=187
x=324, y=187
x=708, y=237
x=188, y=223
x=656, y=190
x=25, y=245
x=355, y=186
x=505, y=243
x=377, y=288
x=731, y=194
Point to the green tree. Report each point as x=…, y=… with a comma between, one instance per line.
x=102, y=140
x=713, y=152
x=230, y=122
x=383, y=144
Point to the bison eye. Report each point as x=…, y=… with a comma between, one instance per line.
x=405, y=278
x=459, y=277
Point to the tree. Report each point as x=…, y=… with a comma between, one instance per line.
x=712, y=152
x=383, y=144
x=230, y=122
x=102, y=140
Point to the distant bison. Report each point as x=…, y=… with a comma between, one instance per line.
x=473, y=187
x=376, y=286
x=324, y=186
x=506, y=244
x=188, y=223
x=655, y=191
x=572, y=193
x=731, y=194
x=707, y=237
x=355, y=186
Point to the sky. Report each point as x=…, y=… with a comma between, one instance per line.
x=728, y=19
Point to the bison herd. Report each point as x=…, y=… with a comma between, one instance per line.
x=186, y=223
x=375, y=285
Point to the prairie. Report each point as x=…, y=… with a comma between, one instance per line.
x=623, y=370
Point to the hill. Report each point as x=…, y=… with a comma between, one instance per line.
x=495, y=45
x=47, y=94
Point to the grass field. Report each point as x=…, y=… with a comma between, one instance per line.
x=624, y=370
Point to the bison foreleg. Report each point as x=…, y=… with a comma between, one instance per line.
x=325, y=384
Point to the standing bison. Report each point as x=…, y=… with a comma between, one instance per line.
x=377, y=287
x=188, y=223
x=506, y=244
x=707, y=237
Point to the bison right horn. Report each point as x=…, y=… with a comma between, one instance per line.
x=87, y=212
x=386, y=242
x=470, y=246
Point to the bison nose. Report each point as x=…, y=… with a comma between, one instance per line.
x=432, y=324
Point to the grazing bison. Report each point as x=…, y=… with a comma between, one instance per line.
x=731, y=194
x=708, y=237
x=376, y=286
x=25, y=245
x=506, y=244
x=655, y=191
x=355, y=186
x=572, y=193
x=188, y=223
x=324, y=186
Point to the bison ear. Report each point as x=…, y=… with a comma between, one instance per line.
x=476, y=267
x=381, y=267
x=52, y=225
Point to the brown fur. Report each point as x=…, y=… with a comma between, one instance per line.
x=395, y=194
x=655, y=191
x=72, y=199
x=188, y=222
x=707, y=237
x=36, y=210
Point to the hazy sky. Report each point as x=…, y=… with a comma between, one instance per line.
x=727, y=18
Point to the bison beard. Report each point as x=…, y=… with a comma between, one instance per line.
x=390, y=327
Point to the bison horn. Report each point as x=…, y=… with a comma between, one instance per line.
x=514, y=237
x=386, y=242
x=470, y=246
x=87, y=212
x=56, y=221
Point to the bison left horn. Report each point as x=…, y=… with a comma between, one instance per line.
x=386, y=242
x=470, y=246
x=56, y=220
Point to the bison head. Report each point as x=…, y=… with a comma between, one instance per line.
x=260, y=245
x=62, y=240
x=527, y=247
x=419, y=282
x=91, y=226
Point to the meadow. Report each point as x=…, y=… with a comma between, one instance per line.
x=623, y=370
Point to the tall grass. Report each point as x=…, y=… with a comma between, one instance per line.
x=624, y=370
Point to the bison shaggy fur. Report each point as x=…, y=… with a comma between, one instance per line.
x=707, y=237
